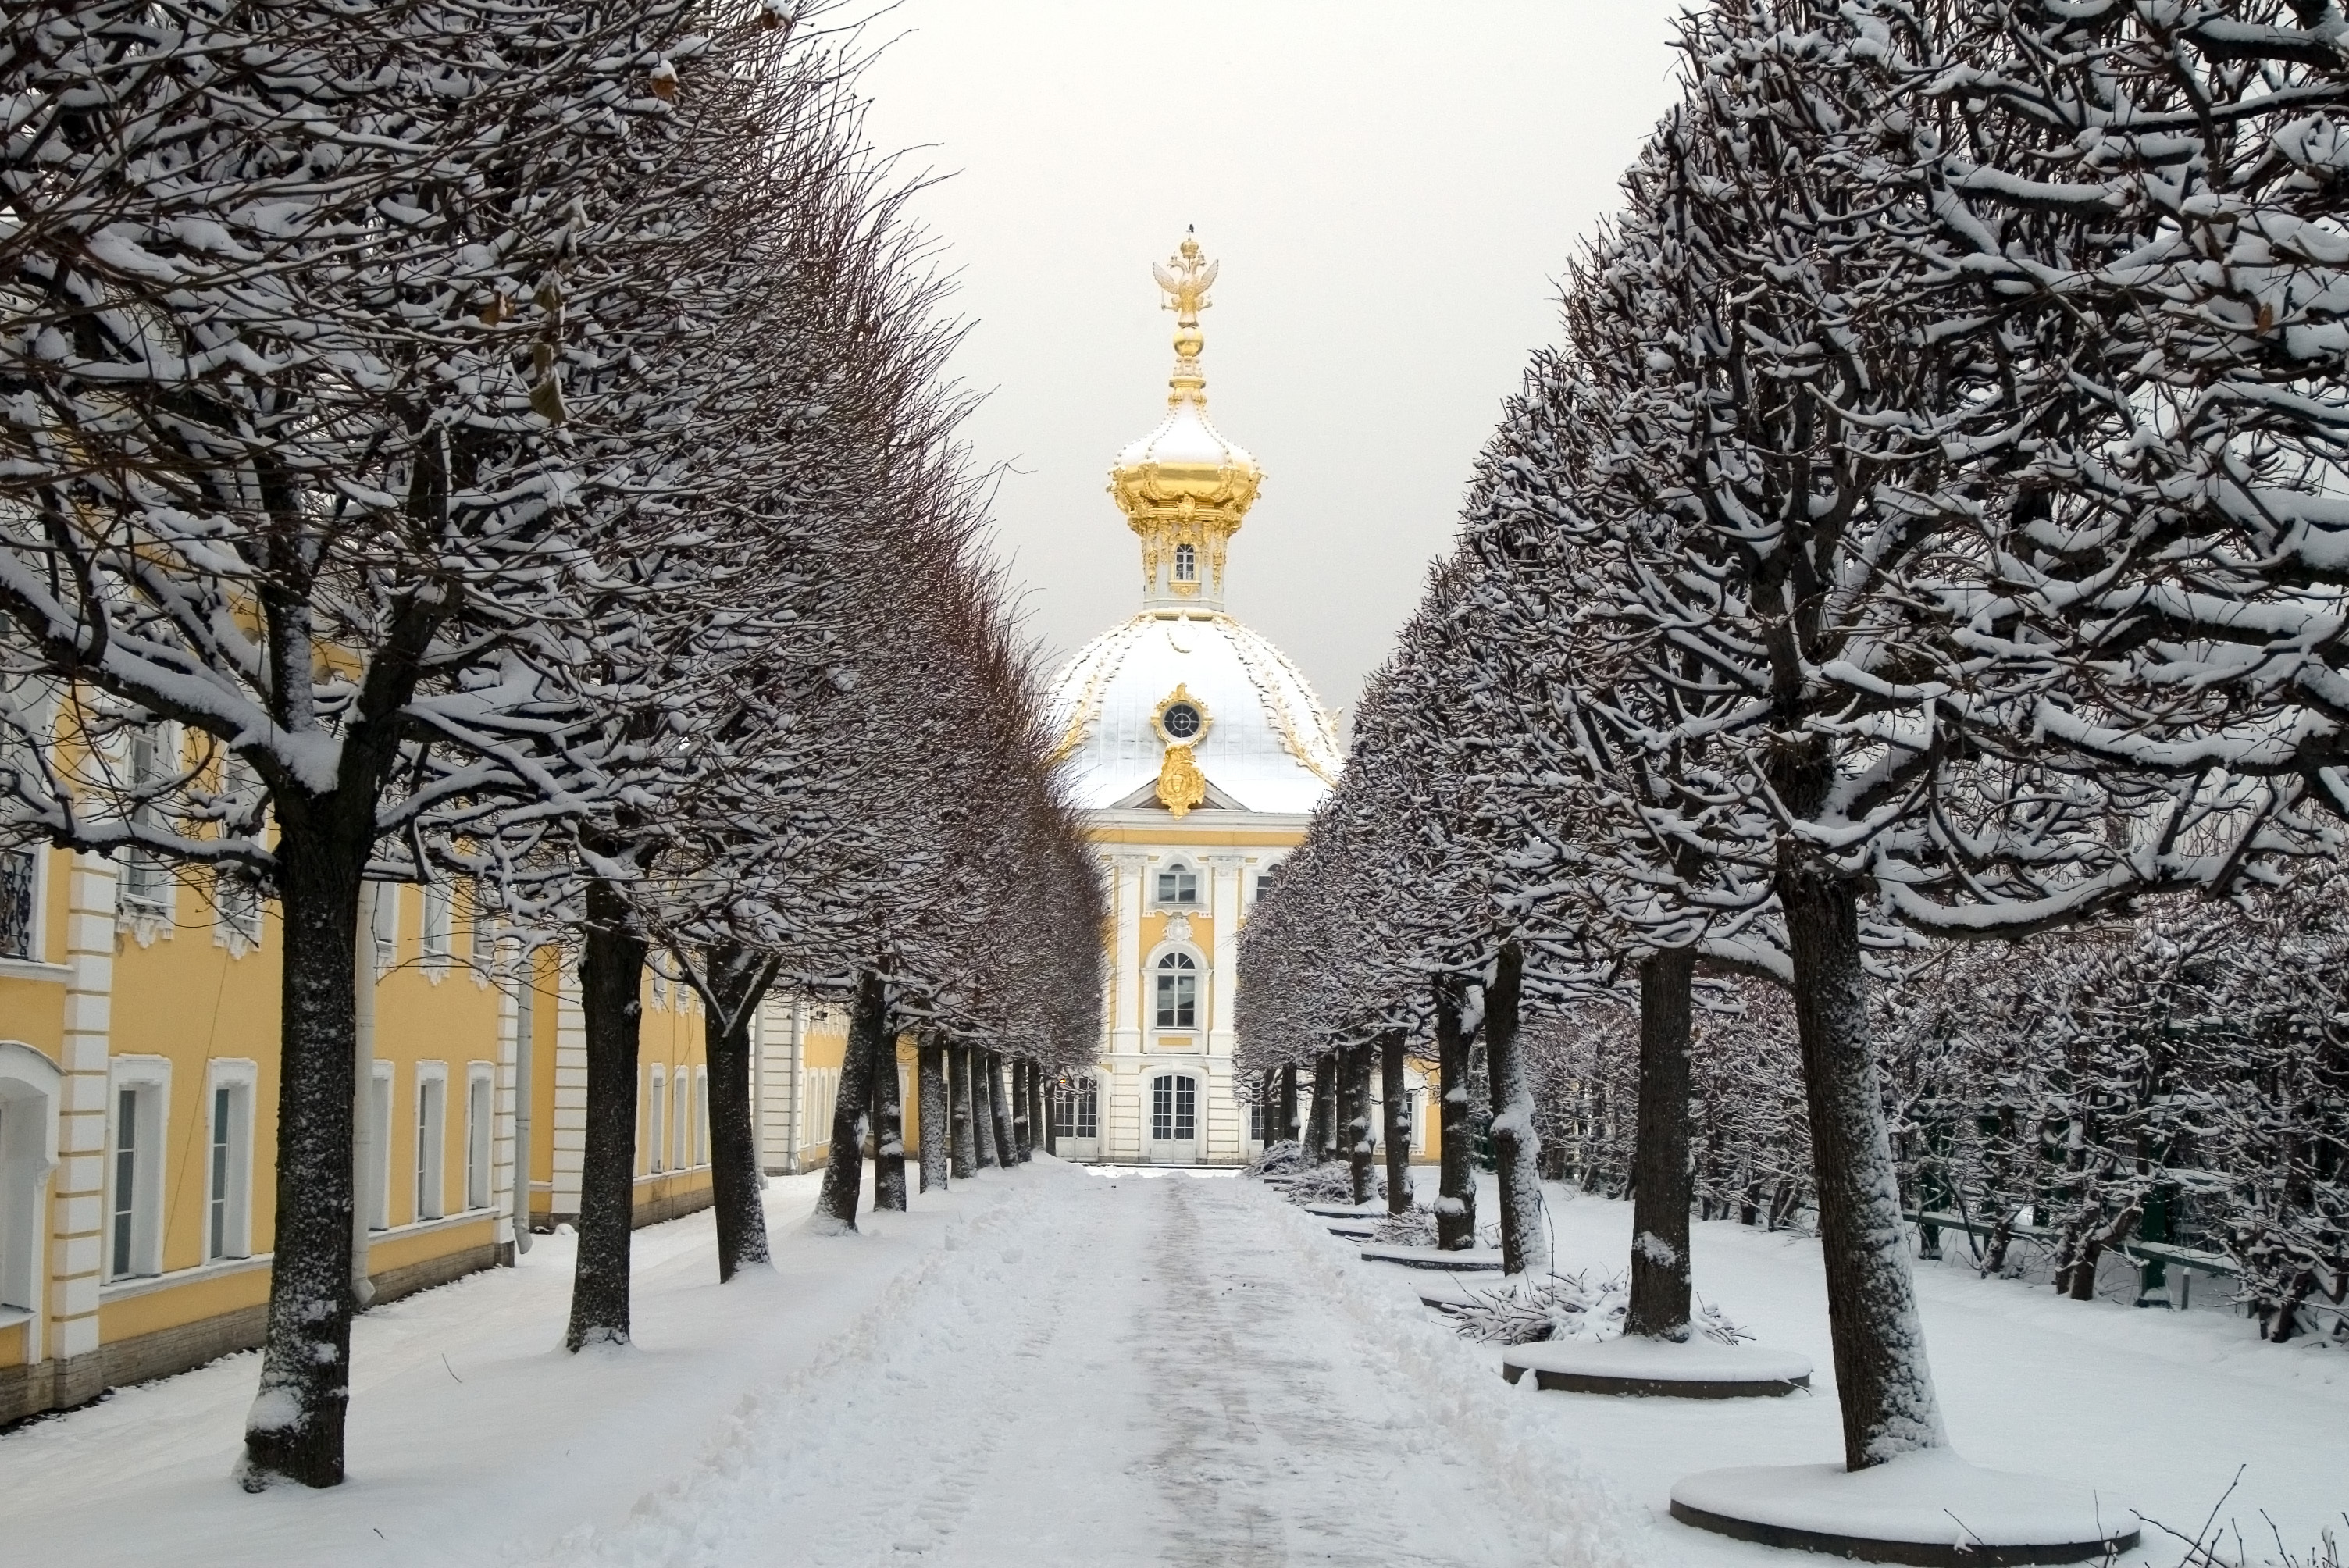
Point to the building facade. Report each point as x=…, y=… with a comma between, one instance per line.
x=1199, y=752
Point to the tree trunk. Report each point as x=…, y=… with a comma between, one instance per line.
x=966, y=1124
x=1320, y=1126
x=1047, y=1134
x=1882, y=1379
x=888, y=1125
x=738, y=978
x=1455, y=1202
x=1517, y=1147
x=999, y=1099
x=936, y=1114
x=1039, y=1114
x=1661, y=1187
x=1288, y=1129
x=295, y=1427
x=611, y=1000
x=982, y=1104
x=1398, y=1123
x=844, y=1173
x=1359, y=1146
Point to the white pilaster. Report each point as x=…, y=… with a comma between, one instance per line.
x=77, y=1222
x=1225, y=1134
x=570, y=1130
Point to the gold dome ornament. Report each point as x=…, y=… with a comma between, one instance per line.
x=1181, y=785
x=1180, y=718
x=1184, y=488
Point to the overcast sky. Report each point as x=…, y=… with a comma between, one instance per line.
x=1391, y=190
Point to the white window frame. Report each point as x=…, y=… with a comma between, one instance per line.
x=1072, y=1101
x=1174, y=1106
x=1174, y=962
x=702, y=1116
x=1187, y=563
x=481, y=1132
x=681, y=1106
x=383, y=923
x=437, y=933
x=1179, y=870
x=239, y=1079
x=149, y=1078
x=36, y=895
x=31, y=1090
x=379, y=1105
x=482, y=931
x=159, y=903
x=430, y=1141
x=657, y=1122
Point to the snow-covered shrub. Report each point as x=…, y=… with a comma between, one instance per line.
x=1330, y=1183
x=1414, y=1228
x=1280, y=1159
x=1569, y=1306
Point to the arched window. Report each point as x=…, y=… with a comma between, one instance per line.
x=1178, y=992
x=1178, y=885
x=1173, y=1108
x=1266, y=878
x=1076, y=1111
x=1187, y=563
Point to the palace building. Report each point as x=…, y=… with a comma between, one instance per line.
x=1198, y=752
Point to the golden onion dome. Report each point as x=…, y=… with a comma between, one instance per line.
x=1184, y=488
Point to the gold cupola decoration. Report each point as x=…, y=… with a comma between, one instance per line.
x=1184, y=488
x=1181, y=721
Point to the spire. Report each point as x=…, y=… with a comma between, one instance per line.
x=1186, y=277
x=1184, y=488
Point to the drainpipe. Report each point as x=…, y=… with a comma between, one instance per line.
x=525, y=1031
x=367, y=1161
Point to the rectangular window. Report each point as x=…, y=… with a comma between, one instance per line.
x=1255, y=1123
x=125, y=1182
x=440, y=926
x=484, y=926
x=379, y=1196
x=1076, y=1113
x=18, y=916
x=384, y=920
x=702, y=1116
x=656, y=1127
x=1173, y=1109
x=1265, y=880
x=1178, y=999
x=431, y=1143
x=217, y=1204
x=479, y=1102
x=681, y=1145
x=238, y=903
x=228, y=1168
x=146, y=882
x=1178, y=885
x=134, y=1199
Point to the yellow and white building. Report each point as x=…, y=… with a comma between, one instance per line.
x=139, y=1027
x=1199, y=752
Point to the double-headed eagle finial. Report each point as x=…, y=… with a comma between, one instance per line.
x=1187, y=275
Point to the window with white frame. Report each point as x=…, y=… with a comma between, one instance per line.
x=1266, y=879
x=1255, y=1122
x=1178, y=992
x=228, y=1161
x=138, y=1095
x=30, y=1090
x=1178, y=885
x=702, y=1116
x=146, y=881
x=681, y=1112
x=1173, y=1108
x=431, y=1138
x=440, y=927
x=20, y=918
x=483, y=926
x=377, y=1197
x=1187, y=563
x=480, y=1103
x=383, y=920
x=237, y=902
x=1076, y=1109
x=657, y=1123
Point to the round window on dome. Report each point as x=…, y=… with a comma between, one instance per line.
x=1180, y=720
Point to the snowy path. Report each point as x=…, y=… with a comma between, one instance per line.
x=1114, y=1371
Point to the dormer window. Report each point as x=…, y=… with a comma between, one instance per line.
x=1187, y=563
x=1178, y=885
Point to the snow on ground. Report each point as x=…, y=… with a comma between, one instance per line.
x=2155, y=1409
x=1053, y=1365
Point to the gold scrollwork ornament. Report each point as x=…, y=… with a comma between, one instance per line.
x=1181, y=785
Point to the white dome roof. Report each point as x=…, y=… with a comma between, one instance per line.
x=1268, y=746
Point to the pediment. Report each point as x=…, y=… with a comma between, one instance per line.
x=1146, y=799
